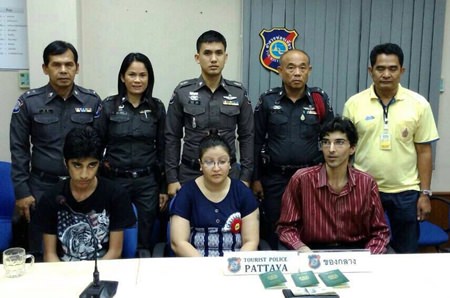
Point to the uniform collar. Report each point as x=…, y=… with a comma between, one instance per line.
x=51, y=93
x=125, y=100
x=201, y=83
x=282, y=94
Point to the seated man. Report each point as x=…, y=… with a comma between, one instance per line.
x=83, y=214
x=333, y=205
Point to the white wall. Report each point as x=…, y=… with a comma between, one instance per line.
x=104, y=31
x=441, y=175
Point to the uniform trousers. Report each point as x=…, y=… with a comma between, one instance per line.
x=28, y=235
x=274, y=185
x=144, y=194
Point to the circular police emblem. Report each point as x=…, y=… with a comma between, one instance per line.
x=277, y=49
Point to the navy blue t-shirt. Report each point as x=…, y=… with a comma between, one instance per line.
x=215, y=227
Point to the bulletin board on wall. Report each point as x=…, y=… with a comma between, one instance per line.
x=13, y=35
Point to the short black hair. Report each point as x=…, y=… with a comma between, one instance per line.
x=213, y=139
x=83, y=143
x=59, y=47
x=387, y=49
x=211, y=36
x=342, y=124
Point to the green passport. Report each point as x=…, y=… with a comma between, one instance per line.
x=273, y=279
x=333, y=278
x=304, y=279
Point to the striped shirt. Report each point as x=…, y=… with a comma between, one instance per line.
x=312, y=213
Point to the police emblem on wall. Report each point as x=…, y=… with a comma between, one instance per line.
x=275, y=42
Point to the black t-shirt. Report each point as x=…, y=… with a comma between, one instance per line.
x=107, y=209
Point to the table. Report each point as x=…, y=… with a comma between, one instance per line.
x=409, y=275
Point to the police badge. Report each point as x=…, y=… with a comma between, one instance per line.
x=314, y=261
x=275, y=42
x=234, y=264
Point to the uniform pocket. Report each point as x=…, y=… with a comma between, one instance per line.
x=82, y=118
x=147, y=126
x=46, y=127
x=310, y=128
x=228, y=115
x=119, y=124
x=278, y=125
x=197, y=117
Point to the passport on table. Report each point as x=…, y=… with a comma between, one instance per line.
x=333, y=278
x=304, y=279
x=273, y=279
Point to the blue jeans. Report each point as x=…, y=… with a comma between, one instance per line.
x=401, y=208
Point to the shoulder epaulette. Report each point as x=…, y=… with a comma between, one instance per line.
x=233, y=83
x=86, y=91
x=110, y=98
x=272, y=91
x=159, y=101
x=33, y=92
x=187, y=83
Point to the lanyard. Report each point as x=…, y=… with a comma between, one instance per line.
x=386, y=111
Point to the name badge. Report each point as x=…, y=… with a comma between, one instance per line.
x=345, y=261
x=257, y=262
x=230, y=103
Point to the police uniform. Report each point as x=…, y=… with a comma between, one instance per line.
x=196, y=109
x=134, y=156
x=42, y=118
x=288, y=133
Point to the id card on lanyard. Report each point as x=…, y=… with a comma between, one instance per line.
x=385, y=138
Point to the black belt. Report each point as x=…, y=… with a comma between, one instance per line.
x=131, y=173
x=46, y=177
x=286, y=169
x=195, y=165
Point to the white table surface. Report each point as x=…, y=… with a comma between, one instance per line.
x=411, y=275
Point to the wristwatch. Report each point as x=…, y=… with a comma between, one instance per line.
x=427, y=192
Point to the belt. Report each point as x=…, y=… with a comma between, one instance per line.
x=46, y=177
x=195, y=165
x=131, y=173
x=286, y=169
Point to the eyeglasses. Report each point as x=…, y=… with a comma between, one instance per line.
x=211, y=163
x=338, y=143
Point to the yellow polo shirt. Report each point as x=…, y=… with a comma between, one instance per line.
x=410, y=120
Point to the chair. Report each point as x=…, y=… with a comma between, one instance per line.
x=7, y=203
x=130, y=240
x=434, y=232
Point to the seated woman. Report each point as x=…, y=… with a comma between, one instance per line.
x=214, y=213
x=83, y=215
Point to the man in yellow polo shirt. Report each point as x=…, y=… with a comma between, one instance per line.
x=396, y=129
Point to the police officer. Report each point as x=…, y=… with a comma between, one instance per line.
x=40, y=120
x=199, y=105
x=133, y=130
x=287, y=127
